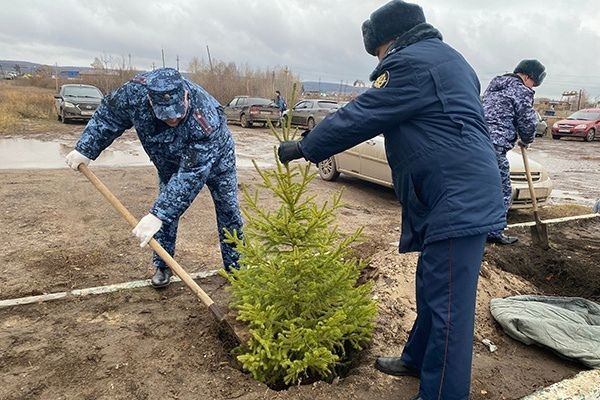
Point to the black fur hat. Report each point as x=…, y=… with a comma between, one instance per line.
x=390, y=21
x=532, y=68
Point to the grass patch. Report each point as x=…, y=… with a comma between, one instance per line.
x=24, y=102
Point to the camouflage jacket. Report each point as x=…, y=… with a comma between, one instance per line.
x=183, y=155
x=508, y=107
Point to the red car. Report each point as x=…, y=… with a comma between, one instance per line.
x=583, y=123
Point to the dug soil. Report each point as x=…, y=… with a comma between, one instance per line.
x=59, y=234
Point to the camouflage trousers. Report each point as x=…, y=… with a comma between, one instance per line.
x=504, y=167
x=222, y=183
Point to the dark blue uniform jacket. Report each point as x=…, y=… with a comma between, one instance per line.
x=443, y=165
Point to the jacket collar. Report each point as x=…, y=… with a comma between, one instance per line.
x=416, y=34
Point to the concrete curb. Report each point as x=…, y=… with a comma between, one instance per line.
x=555, y=220
x=583, y=386
x=93, y=290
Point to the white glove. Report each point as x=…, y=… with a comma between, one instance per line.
x=75, y=158
x=146, y=228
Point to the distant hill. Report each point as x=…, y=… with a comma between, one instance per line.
x=26, y=66
x=29, y=67
x=331, y=88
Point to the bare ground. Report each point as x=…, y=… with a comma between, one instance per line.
x=58, y=234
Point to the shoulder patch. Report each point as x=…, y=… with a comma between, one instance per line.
x=382, y=80
x=139, y=79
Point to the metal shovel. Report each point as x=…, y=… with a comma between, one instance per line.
x=539, y=232
x=166, y=257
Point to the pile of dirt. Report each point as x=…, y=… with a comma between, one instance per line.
x=568, y=268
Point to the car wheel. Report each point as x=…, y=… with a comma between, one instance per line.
x=62, y=117
x=556, y=137
x=311, y=123
x=590, y=135
x=545, y=133
x=328, y=169
x=244, y=121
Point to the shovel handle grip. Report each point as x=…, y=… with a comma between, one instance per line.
x=162, y=253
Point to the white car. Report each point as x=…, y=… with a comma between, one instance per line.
x=368, y=161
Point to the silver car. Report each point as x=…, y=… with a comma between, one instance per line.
x=310, y=112
x=75, y=101
x=541, y=128
x=368, y=161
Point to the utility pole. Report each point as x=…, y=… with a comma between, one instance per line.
x=209, y=59
x=579, y=100
x=287, y=91
x=56, y=76
x=129, y=55
x=163, y=56
x=177, y=62
x=273, y=81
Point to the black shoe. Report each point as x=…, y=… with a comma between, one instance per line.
x=395, y=366
x=502, y=239
x=161, y=278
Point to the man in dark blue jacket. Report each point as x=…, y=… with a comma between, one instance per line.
x=425, y=100
x=183, y=129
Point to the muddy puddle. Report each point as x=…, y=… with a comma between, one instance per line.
x=19, y=153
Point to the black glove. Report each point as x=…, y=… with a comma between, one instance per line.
x=289, y=150
x=305, y=133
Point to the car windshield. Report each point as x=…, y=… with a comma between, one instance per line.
x=328, y=104
x=585, y=115
x=83, y=91
x=260, y=102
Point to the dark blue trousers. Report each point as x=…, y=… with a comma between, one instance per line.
x=440, y=344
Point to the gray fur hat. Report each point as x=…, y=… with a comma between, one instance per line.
x=390, y=21
x=532, y=68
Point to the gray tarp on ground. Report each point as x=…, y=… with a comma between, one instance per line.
x=568, y=325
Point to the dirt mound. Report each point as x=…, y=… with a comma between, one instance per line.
x=568, y=268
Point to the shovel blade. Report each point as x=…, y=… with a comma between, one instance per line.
x=539, y=236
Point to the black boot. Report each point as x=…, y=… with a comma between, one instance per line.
x=161, y=278
x=502, y=239
x=395, y=366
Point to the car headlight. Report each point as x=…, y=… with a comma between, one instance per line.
x=581, y=126
x=555, y=126
x=68, y=104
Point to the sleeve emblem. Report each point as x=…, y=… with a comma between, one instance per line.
x=382, y=80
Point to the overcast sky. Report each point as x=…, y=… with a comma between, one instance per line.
x=316, y=39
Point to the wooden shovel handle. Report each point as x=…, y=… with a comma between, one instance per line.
x=530, y=184
x=162, y=253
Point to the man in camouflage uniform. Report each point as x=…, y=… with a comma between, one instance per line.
x=184, y=132
x=510, y=117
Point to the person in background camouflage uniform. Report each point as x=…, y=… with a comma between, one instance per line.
x=510, y=117
x=184, y=132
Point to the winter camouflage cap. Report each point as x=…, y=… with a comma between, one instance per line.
x=165, y=88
